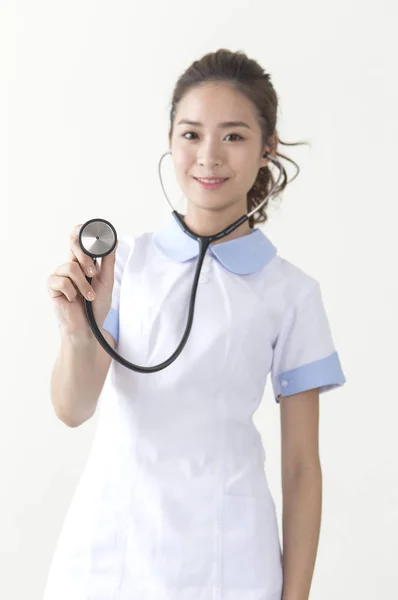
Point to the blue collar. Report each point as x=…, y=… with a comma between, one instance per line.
x=243, y=255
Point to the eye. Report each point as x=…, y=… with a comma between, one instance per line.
x=229, y=134
x=184, y=134
x=237, y=135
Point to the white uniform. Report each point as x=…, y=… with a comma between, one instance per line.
x=174, y=502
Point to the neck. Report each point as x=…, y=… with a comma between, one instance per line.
x=205, y=222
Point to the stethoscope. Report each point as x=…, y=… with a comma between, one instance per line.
x=97, y=238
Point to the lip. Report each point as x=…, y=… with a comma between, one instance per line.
x=208, y=185
x=210, y=178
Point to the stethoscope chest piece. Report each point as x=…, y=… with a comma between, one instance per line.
x=97, y=238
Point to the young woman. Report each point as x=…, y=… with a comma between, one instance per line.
x=174, y=502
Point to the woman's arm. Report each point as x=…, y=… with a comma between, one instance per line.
x=302, y=491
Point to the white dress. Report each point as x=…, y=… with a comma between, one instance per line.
x=174, y=503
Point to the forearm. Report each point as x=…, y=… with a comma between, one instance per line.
x=74, y=382
x=302, y=505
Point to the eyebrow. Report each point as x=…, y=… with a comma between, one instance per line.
x=222, y=125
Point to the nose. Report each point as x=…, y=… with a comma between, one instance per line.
x=209, y=155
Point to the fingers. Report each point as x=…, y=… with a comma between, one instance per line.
x=68, y=279
x=76, y=253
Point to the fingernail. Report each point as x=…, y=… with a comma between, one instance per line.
x=90, y=271
x=90, y=295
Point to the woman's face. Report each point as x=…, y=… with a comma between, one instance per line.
x=214, y=150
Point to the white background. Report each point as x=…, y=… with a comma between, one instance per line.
x=84, y=106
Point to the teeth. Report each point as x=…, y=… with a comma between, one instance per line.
x=211, y=180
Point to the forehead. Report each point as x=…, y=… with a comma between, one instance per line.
x=215, y=102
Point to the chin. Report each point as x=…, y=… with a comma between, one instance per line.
x=214, y=206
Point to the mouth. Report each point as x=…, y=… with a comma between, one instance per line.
x=211, y=184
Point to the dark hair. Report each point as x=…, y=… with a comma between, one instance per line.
x=248, y=77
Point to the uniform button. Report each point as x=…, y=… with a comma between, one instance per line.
x=284, y=383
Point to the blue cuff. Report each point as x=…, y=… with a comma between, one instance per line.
x=325, y=374
x=111, y=323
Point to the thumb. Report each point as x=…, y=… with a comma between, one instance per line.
x=107, y=271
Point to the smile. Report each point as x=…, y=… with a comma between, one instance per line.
x=211, y=183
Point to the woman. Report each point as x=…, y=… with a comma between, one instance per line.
x=174, y=502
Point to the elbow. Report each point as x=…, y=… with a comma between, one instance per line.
x=301, y=471
x=68, y=420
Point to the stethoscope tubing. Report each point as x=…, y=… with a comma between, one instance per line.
x=204, y=243
x=152, y=369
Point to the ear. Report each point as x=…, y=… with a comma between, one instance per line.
x=264, y=159
x=270, y=149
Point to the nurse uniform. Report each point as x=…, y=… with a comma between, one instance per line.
x=174, y=503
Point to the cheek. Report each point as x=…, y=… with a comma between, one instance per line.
x=182, y=168
x=182, y=164
x=247, y=169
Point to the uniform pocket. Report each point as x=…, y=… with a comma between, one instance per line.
x=251, y=549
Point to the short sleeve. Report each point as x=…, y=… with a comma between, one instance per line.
x=111, y=322
x=304, y=356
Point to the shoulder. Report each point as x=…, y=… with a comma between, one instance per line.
x=134, y=250
x=131, y=243
x=290, y=282
x=125, y=244
x=128, y=242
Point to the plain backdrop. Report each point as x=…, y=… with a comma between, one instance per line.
x=84, y=107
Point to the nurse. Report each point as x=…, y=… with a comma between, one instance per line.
x=174, y=502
